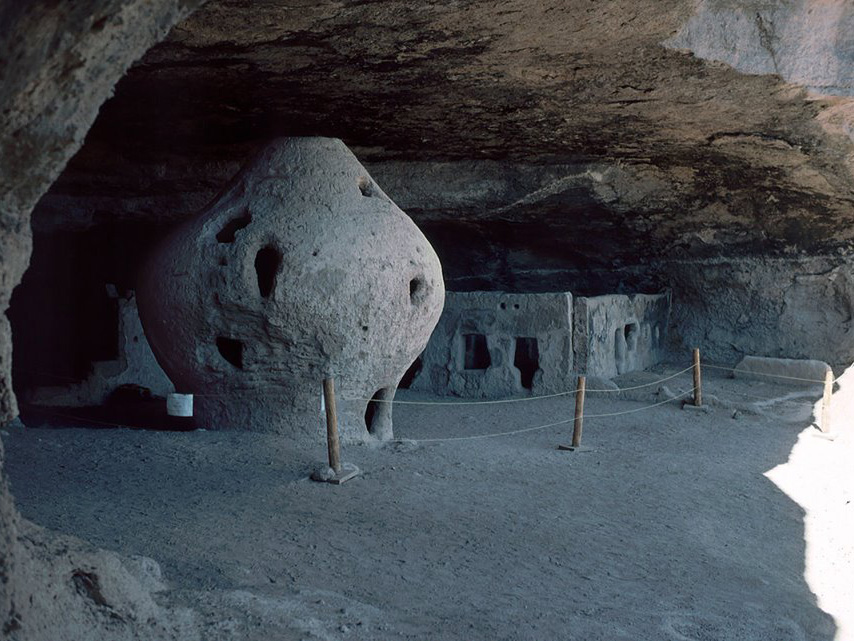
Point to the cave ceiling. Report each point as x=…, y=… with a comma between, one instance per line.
x=581, y=129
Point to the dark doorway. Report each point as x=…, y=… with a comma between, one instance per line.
x=476, y=352
x=527, y=360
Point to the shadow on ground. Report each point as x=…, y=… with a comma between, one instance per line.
x=668, y=529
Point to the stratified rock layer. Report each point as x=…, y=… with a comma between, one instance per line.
x=302, y=269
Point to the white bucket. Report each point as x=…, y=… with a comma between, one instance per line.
x=179, y=404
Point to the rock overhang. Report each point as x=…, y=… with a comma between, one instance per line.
x=574, y=117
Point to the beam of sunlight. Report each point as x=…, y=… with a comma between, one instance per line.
x=819, y=476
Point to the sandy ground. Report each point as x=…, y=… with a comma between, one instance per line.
x=679, y=524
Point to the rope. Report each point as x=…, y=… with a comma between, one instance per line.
x=521, y=399
x=791, y=378
x=428, y=440
x=640, y=409
x=539, y=427
x=502, y=401
x=629, y=389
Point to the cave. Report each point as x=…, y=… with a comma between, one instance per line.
x=607, y=187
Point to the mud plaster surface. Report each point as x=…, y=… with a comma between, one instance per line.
x=675, y=527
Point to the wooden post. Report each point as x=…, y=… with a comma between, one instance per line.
x=331, y=425
x=698, y=380
x=825, y=402
x=579, y=411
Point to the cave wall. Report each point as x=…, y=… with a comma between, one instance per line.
x=58, y=63
x=771, y=287
x=611, y=147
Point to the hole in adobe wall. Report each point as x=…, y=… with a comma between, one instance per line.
x=417, y=290
x=231, y=350
x=378, y=413
x=366, y=186
x=227, y=233
x=371, y=412
x=476, y=352
x=268, y=261
x=411, y=373
x=619, y=346
x=631, y=334
x=527, y=360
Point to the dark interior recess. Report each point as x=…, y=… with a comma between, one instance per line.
x=619, y=345
x=631, y=334
x=228, y=232
x=231, y=350
x=371, y=411
x=527, y=360
x=413, y=371
x=416, y=290
x=128, y=406
x=268, y=262
x=366, y=187
x=476, y=352
x=62, y=315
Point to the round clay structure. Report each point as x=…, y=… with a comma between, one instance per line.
x=301, y=269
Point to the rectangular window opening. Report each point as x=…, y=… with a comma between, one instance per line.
x=476, y=352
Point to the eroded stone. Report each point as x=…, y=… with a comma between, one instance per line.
x=302, y=269
x=494, y=344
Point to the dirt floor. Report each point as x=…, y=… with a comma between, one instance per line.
x=733, y=523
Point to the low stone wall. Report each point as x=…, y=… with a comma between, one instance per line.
x=615, y=334
x=490, y=344
x=495, y=344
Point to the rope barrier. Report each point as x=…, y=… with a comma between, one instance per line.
x=801, y=394
x=791, y=378
x=694, y=390
x=539, y=427
x=431, y=440
x=523, y=398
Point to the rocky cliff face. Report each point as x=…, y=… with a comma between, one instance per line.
x=627, y=145
x=595, y=147
x=58, y=63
